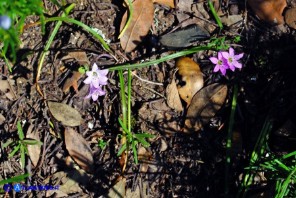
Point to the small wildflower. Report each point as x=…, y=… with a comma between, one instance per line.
x=5, y=22
x=232, y=59
x=95, y=92
x=96, y=77
x=220, y=63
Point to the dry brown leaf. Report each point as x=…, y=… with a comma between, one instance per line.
x=144, y=157
x=192, y=76
x=72, y=82
x=139, y=26
x=173, y=98
x=118, y=190
x=33, y=150
x=79, y=56
x=204, y=106
x=79, y=149
x=67, y=115
x=269, y=10
x=290, y=17
x=169, y=3
x=6, y=88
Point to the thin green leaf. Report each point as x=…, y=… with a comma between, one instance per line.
x=22, y=150
x=16, y=148
x=15, y=179
x=134, y=144
x=31, y=142
x=20, y=130
x=6, y=144
x=123, y=148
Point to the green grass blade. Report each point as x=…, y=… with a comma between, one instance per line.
x=131, y=11
x=213, y=11
x=20, y=130
x=15, y=179
x=160, y=60
x=16, y=148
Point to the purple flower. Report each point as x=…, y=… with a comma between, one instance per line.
x=5, y=22
x=220, y=63
x=232, y=59
x=95, y=92
x=96, y=77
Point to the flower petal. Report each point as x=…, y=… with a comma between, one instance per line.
x=223, y=71
x=237, y=64
x=231, y=67
x=94, y=67
x=214, y=60
x=231, y=51
x=88, y=80
x=225, y=55
x=103, y=72
x=239, y=56
x=216, y=69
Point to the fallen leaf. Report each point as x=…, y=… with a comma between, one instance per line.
x=72, y=82
x=290, y=17
x=79, y=56
x=139, y=26
x=6, y=88
x=33, y=150
x=204, y=106
x=69, y=182
x=118, y=190
x=169, y=3
x=138, y=192
x=184, y=37
x=79, y=149
x=144, y=157
x=173, y=98
x=191, y=75
x=2, y=119
x=67, y=115
x=269, y=10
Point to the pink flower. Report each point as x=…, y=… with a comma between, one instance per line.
x=95, y=92
x=232, y=59
x=96, y=77
x=220, y=63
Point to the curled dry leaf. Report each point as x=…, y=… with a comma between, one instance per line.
x=204, y=106
x=79, y=149
x=139, y=26
x=72, y=82
x=67, y=115
x=169, y=3
x=269, y=10
x=33, y=150
x=290, y=17
x=173, y=98
x=192, y=76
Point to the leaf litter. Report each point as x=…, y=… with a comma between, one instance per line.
x=174, y=158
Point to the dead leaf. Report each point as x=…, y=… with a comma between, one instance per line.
x=67, y=115
x=184, y=37
x=290, y=17
x=118, y=190
x=33, y=150
x=191, y=75
x=72, y=82
x=144, y=157
x=139, y=26
x=138, y=192
x=69, y=182
x=204, y=106
x=269, y=10
x=169, y=3
x=2, y=119
x=6, y=88
x=79, y=149
x=79, y=56
x=173, y=98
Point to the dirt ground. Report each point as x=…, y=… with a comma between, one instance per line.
x=176, y=164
